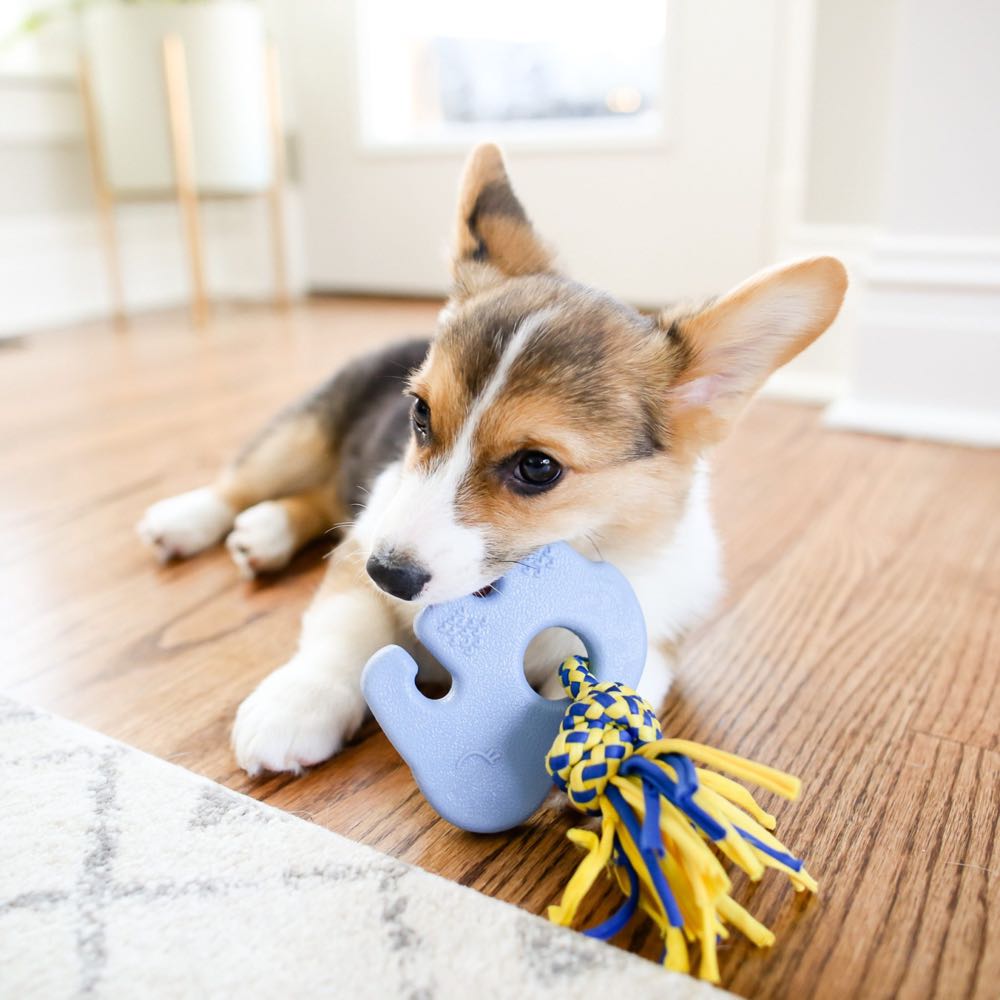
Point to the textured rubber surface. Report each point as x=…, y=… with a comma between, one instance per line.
x=478, y=753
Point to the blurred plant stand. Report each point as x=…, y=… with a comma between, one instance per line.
x=182, y=102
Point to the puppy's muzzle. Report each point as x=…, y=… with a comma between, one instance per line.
x=397, y=575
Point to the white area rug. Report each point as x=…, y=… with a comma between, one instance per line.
x=124, y=876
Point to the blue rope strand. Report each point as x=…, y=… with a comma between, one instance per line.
x=607, y=930
x=656, y=782
x=651, y=839
x=786, y=859
x=679, y=795
x=653, y=869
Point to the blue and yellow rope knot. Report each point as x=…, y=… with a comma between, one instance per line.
x=659, y=814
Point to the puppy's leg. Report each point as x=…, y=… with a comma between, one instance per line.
x=658, y=673
x=306, y=710
x=266, y=536
x=293, y=455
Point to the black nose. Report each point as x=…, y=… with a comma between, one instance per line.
x=398, y=576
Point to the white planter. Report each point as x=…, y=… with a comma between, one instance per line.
x=224, y=44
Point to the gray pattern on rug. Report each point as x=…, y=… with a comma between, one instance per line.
x=126, y=876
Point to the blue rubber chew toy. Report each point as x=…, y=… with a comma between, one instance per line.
x=478, y=753
x=487, y=753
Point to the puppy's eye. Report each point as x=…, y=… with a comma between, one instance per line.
x=534, y=471
x=420, y=416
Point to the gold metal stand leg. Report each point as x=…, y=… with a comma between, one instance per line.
x=103, y=196
x=179, y=110
x=276, y=195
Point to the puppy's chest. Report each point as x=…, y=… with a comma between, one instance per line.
x=651, y=578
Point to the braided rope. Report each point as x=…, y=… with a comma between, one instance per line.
x=659, y=815
x=601, y=728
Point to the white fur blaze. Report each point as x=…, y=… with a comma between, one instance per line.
x=420, y=520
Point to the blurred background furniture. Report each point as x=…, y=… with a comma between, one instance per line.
x=182, y=100
x=85, y=108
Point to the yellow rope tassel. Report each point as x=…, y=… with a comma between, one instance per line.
x=660, y=814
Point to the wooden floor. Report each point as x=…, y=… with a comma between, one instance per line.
x=859, y=644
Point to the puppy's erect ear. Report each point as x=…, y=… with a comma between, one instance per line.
x=493, y=235
x=730, y=347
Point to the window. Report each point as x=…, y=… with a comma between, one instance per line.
x=447, y=71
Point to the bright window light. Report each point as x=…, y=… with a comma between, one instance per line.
x=449, y=70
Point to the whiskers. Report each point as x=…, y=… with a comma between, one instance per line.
x=510, y=562
x=590, y=538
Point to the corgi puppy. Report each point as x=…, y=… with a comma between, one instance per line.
x=542, y=410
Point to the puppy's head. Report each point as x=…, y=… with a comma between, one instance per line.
x=547, y=410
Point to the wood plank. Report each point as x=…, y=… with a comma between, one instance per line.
x=858, y=644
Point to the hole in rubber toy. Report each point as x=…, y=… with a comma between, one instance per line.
x=550, y=647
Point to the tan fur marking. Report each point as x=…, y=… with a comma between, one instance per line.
x=291, y=458
x=439, y=384
x=719, y=344
x=312, y=514
x=589, y=496
x=492, y=227
x=720, y=321
x=512, y=246
x=540, y=421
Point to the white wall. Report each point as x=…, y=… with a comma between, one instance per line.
x=944, y=131
x=925, y=353
x=853, y=46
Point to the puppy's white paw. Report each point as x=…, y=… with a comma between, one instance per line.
x=296, y=717
x=185, y=524
x=261, y=540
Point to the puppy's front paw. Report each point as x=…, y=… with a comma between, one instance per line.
x=185, y=524
x=262, y=540
x=297, y=716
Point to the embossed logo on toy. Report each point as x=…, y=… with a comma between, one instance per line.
x=461, y=629
x=536, y=564
x=490, y=756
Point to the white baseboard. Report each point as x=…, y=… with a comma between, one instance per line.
x=935, y=262
x=920, y=336
x=53, y=271
x=926, y=345
x=929, y=423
